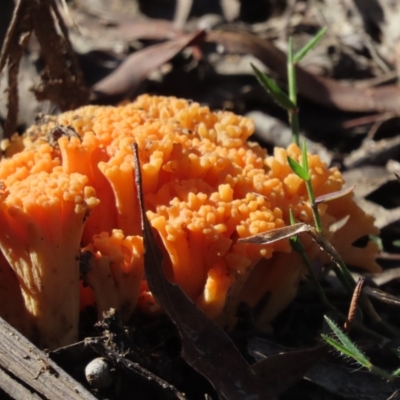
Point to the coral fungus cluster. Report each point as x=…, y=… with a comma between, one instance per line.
x=68, y=191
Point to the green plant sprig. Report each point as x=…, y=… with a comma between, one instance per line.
x=289, y=101
x=302, y=171
x=348, y=348
x=342, y=272
x=342, y=343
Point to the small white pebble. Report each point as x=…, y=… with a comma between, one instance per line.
x=98, y=373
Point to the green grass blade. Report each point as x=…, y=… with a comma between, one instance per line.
x=303, y=51
x=348, y=344
x=273, y=89
x=346, y=352
x=337, y=346
x=298, y=169
x=396, y=373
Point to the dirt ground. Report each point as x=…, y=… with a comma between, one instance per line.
x=349, y=101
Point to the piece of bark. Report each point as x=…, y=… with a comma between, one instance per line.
x=15, y=389
x=35, y=369
x=62, y=80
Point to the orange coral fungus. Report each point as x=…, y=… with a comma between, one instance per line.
x=116, y=271
x=42, y=214
x=204, y=185
x=12, y=307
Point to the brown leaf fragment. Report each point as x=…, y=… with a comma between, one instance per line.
x=334, y=195
x=135, y=68
x=347, y=382
x=366, y=179
x=152, y=29
x=276, y=234
x=295, y=363
x=382, y=296
x=343, y=380
x=205, y=346
x=388, y=275
x=374, y=152
x=324, y=91
x=117, y=27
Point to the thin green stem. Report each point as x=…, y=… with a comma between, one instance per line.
x=291, y=71
x=294, y=126
x=381, y=373
x=314, y=207
x=347, y=274
x=310, y=190
x=349, y=288
x=318, y=287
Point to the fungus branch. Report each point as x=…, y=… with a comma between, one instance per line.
x=43, y=219
x=116, y=272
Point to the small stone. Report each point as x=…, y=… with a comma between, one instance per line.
x=98, y=373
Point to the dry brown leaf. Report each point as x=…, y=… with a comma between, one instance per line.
x=324, y=91
x=135, y=68
x=276, y=234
